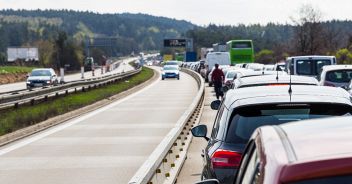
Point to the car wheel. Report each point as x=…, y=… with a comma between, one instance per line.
x=162, y=78
x=210, y=84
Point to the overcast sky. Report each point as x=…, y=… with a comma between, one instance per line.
x=201, y=12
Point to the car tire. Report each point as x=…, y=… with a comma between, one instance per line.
x=162, y=78
x=210, y=84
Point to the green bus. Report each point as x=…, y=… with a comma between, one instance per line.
x=241, y=51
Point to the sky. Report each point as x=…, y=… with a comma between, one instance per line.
x=200, y=12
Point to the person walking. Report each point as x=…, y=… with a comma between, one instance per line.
x=218, y=77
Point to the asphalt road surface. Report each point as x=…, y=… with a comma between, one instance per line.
x=72, y=77
x=105, y=146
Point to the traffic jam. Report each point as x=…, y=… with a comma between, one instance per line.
x=287, y=123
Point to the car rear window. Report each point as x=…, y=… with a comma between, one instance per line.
x=339, y=76
x=311, y=67
x=245, y=120
x=328, y=180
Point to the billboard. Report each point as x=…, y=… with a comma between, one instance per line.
x=23, y=53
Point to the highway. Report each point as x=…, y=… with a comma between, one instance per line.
x=106, y=146
x=71, y=77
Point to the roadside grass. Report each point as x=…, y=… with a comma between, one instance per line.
x=15, y=119
x=15, y=69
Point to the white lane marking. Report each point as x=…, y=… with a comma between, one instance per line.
x=60, y=127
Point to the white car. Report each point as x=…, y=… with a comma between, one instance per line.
x=308, y=65
x=336, y=75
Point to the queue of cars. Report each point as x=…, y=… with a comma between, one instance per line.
x=271, y=125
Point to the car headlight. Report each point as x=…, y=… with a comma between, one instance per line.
x=28, y=82
x=48, y=82
x=163, y=73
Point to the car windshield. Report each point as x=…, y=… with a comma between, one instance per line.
x=311, y=67
x=41, y=73
x=170, y=68
x=245, y=120
x=339, y=76
x=171, y=63
x=230, y=75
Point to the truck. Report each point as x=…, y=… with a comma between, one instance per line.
x=221, y=58
x=88, y=64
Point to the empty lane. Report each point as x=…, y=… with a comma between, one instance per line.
x=105, y=146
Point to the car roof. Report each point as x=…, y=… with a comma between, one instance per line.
x=312, y=148
x=336, y=67
x=272, y=79
x=312, y=56
x=279, y=94
x=36, y=69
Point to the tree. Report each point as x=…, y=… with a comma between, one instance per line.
x=344, y=56
x=46, y=50
x=265, y=56
x=309, y=31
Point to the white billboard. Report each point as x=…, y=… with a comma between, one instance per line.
x=24, y=53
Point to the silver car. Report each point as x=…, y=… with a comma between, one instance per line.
x=41, y=77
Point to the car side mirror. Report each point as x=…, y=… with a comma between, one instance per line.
x=215, y=105
x=209, y=181
x=200, y=131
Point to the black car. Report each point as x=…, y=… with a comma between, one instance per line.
x=244, y=110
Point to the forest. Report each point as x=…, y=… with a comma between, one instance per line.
x=61, y=35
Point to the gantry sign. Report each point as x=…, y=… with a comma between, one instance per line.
x=182, y=42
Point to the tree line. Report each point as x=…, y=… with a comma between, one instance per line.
x=306, y=35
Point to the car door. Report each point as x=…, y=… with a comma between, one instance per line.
x=249, y=171
x=214, y=141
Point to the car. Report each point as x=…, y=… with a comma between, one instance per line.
x=336, y=75
x=230, y=75
x=41, y=77
x=250, y=73
x=274, y=80
x=255, y=66
x=245, y=109
x=269, y=68
x=306, y=152
x=170, y=71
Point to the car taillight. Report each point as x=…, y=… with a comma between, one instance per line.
x=225, y=159
x=329, y=84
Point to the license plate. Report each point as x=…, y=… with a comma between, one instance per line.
x=37, y=85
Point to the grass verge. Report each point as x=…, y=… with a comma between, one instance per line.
x=15, y=119
x=15, y=69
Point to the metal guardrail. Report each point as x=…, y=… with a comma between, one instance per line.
x=166, y=161
x=44, y=94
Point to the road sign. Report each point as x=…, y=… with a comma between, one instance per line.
x=167, y=57
x=175, y=42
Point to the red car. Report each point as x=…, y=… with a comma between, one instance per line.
x=307, y=152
